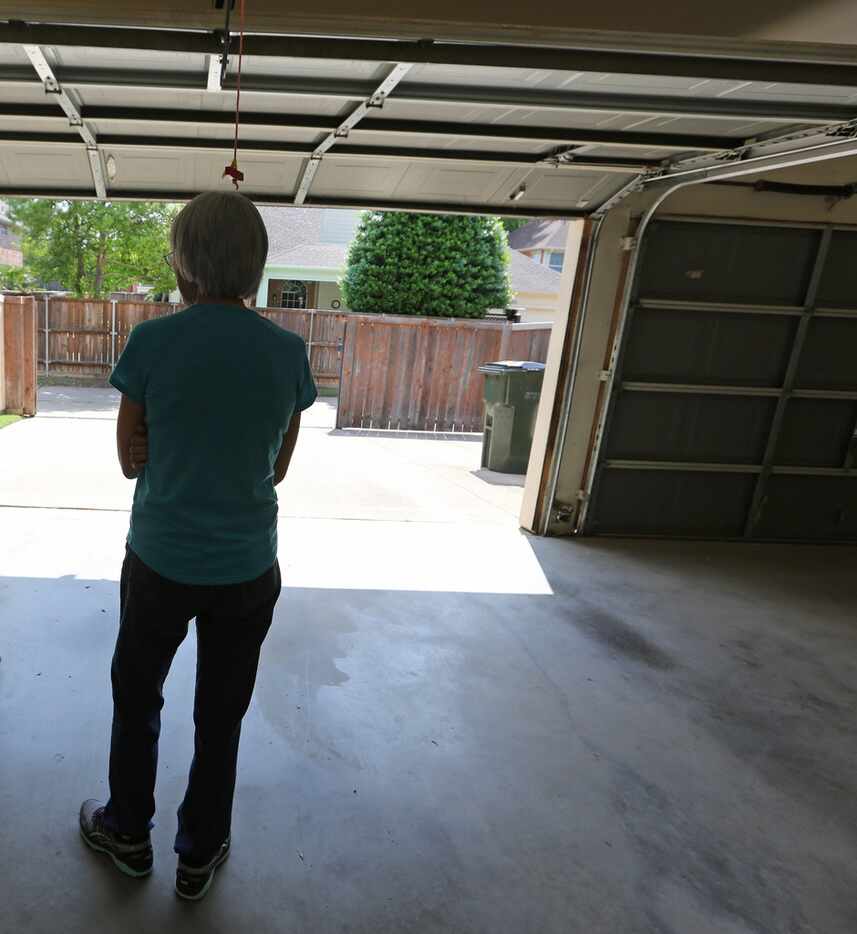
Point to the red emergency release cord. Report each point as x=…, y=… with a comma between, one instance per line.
x=232, y=169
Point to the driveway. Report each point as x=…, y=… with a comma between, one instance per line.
x=397, y=510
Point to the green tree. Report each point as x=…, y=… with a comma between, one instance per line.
x=93, y=248
x=427, y=264
x=15, y=279
x=513, y=223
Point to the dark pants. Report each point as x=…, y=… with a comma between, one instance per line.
x=231, y=623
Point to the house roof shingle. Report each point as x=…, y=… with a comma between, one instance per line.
x=289, y=228
x=540, y=235
x=529, y=276
x=313, y=256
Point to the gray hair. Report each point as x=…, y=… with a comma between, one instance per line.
x=220, y=244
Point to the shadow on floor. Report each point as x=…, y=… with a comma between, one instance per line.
x=78, y=401
x=499, y=479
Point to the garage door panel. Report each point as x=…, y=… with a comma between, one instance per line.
x=838, y=286
x=691, y=346
x=733, y=408
x=673, y=503
x=810, y=508
x=728, y=263
x=829, y=357
x=816, y=432
x=700, y=429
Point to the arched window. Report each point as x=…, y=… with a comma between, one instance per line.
x=294, y=294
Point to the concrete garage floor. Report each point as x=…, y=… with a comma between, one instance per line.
x=596, y=736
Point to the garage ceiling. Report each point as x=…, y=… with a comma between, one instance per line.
x=99, y=111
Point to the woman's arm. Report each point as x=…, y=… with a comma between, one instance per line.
x=132, y=442
x=287, y=448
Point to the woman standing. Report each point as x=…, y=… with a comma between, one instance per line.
x=210, y=413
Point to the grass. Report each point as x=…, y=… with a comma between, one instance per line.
x=8, y=420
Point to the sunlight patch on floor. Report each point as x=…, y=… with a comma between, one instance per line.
x=416, y=556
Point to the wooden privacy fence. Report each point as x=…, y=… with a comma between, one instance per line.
x=422, y=374
x=80, y=337
x=324, y=333
x=17, y=355
x=77, y=337
x=396, y=372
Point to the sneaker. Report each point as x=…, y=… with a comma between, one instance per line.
x=130, y=855
x=192, y=882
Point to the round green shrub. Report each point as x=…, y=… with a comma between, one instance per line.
x=438, y=265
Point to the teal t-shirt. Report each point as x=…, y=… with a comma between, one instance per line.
x=220, y=385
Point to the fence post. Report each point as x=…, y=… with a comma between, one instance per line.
x=113, y=332
x=505, y=340
x=31, y=361
x=47, y=335
x=309, y=339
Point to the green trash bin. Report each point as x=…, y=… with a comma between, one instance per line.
x=512, y=391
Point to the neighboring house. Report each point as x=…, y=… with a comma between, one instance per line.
x=543, y=241
x=536, y=288
x=308, y=254
x=10, y=242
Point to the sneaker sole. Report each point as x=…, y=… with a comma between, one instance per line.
x=124, y=868
x=201, y=893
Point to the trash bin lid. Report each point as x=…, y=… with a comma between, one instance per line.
x=512, y=366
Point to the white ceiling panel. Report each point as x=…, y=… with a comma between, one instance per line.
x=361, y=137
x=476, y=162
x=30, y=93
x=568, y=191
x=13, y=55
x=795, y=92
x=653, y=153
x=327, y=69
x=180, y=170
x=57, y=124
x=192, y=131
x=147, y=170
x=182, y=99
x=201, y=99
x=40, y=167
x=132, y=59
x=358, y=178
x=567, y=118
x=284, y=102
x=610, y=83
x=275, y=175
x=457, y=182
x=394, y=109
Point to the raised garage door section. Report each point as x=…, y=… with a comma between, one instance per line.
x=734, y=405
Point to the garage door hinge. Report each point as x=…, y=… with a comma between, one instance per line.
x=628, y=244
x=604, y=375
x=582, y=496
